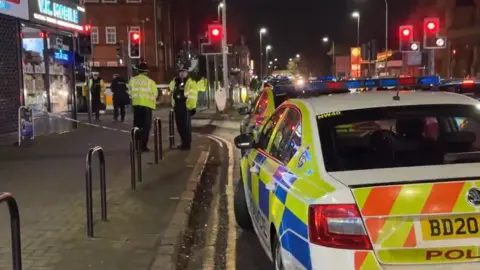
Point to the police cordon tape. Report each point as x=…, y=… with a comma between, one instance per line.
x=86, y=123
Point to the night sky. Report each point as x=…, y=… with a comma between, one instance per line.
x=298, y=26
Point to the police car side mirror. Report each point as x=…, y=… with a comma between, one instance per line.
x=244, y=109
x=244, y=141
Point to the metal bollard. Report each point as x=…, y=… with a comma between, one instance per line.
x=88, y=186
x=135, y=158
x=158, y=140
x=171, y=129
x=14, y=229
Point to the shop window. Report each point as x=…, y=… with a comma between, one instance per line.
x=90, y=1
x=109, y=1
x=112, y=64
x=134, y=1
x=111, y=35
x=94, y=35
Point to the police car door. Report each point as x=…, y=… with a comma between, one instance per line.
x=279, y=173
x=258, y=201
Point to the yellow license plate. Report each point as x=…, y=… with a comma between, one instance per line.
x=444, y=228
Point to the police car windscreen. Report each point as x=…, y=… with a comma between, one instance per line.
x=391, y=137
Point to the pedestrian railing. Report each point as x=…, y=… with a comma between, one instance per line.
x=135, y=158
x=14, y=229
x=171, y=129
x=88, y=185
x=158, y=140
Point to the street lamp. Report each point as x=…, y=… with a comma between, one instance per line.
x=267, y=48
x=290, y=59
x=276, y=59
x=220, y=6
x=270, y=63
x=262, y=32
x=356, y=15
x=326, y=40
x=298, y=55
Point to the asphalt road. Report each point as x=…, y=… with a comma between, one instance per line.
x=214, y=240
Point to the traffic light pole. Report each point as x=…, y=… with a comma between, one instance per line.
x=226, y=83
x=432, y=62
x=209, y=93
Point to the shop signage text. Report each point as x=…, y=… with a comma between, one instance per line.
x=61, y=55
x=58, y=11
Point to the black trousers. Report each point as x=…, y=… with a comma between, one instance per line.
x=183, y=121
x=96, y=104
x=118, y=106
x=142, y=118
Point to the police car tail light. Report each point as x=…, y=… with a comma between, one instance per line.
x=337, y=226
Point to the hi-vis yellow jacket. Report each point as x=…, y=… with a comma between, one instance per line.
x=191, y=90
x=86, y=88
x=143, y=91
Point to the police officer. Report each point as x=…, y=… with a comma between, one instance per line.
x=143, y=92
x=120, y=97
x=97, y=87
x=184, y=102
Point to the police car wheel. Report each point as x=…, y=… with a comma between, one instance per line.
x=277, y=254
x=240, y=208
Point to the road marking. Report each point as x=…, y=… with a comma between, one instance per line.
x=211, y=241
x=232, y=230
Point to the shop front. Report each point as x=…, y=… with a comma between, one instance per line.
x=11, y=12
x=48, y=62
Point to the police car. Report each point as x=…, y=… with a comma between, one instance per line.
x=401, y=194
x=264, y=104
x=469, y=87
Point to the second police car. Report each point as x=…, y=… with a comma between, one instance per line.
x=404, y=194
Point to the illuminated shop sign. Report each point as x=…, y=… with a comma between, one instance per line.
x=61, y=55
x=62, y=13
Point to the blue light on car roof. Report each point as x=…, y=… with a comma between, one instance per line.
x=429, y=80
x=388, y=82
x=371, y=83
x=326, y=78
x=353, y=84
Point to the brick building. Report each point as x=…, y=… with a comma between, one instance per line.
x=164, y=25
x=460, y=22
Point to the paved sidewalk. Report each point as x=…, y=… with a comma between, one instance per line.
x=48, y=180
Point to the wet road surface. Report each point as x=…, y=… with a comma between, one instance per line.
x=214, y=241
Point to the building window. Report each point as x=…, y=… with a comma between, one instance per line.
x=90, y=1
x=112, y=64
x=109, y=1
x=111, y=35
x=94, y=35
x=135, y=28
x=134, y=1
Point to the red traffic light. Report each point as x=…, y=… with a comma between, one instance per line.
x=135, y=36
x=431, y=26
x=87, y=27
x=215, y=32
x=406, y=32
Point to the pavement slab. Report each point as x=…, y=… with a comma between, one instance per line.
x=47, y=177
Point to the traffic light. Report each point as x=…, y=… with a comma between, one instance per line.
x=84, y=41
x=134, y=41
x=431, y=28
x=215, y=33
x=405, y=37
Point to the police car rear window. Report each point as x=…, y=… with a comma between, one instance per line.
x=393, y=137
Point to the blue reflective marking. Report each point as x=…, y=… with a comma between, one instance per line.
x=263, y=197
x=281, y=194
x=294, y=244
